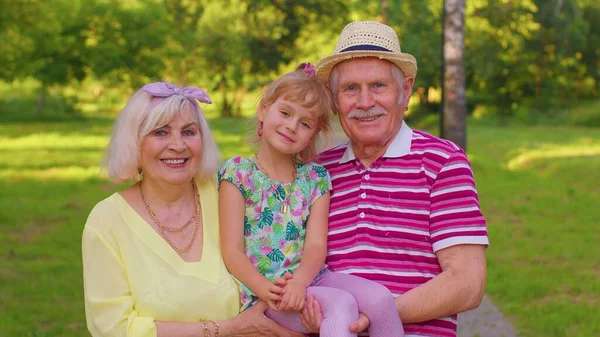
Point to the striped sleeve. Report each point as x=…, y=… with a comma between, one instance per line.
x=455, y=217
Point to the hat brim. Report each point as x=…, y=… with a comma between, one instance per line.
x=406, y=62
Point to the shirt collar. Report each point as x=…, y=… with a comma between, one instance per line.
x=399, y=147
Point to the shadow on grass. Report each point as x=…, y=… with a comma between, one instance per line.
x=41, y=274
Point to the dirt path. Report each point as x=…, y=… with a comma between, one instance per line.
x=486, y=320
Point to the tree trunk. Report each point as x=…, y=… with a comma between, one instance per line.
x=41, y=101
x=226, y=106
x=383, y=4
x=455, y=104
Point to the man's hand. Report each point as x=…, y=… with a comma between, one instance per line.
x=359, y=325
x=312, y=316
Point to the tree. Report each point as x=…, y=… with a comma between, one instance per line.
x=260, y=38
x=455, y=108
x=44, y=40
x=125, y=44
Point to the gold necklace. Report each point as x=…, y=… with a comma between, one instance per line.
x=162, y=228
x=285, y=203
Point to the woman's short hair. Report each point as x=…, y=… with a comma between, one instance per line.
x=136, y=120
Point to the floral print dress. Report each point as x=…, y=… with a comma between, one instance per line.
x=273, y=240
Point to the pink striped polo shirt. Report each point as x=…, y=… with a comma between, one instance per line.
x=387, y=221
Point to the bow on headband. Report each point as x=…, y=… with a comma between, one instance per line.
x=162, y=90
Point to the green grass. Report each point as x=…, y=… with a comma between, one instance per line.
x=538, y=188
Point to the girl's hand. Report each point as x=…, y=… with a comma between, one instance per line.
x=274, y=297
x=312, y=316
x=271, y=295
x=293, y=296
x=282, y=281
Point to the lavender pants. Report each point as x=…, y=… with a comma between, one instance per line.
x=342, y=297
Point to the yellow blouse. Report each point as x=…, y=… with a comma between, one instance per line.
x=132, y=277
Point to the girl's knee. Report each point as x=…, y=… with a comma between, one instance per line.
x=377, y=296
x=342, y=303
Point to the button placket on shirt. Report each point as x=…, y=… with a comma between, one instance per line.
x=363, y=195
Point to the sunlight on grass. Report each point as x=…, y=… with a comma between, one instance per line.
x=585, y=148
x=53, y=140
x=71, y=173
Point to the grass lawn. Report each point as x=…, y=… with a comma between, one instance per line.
x=539, y=187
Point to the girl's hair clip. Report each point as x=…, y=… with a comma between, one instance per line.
x=309, y=70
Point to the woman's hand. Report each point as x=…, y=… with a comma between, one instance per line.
x=312, y=315
x=253, y=322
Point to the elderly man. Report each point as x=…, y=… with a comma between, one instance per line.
x=404, y=208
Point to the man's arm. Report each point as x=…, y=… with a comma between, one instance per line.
x=459, y=287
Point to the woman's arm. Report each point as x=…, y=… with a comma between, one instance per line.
x=231, y=219
x=250, y=323
x=109, y=306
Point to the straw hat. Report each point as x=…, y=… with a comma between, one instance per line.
x=367, y=39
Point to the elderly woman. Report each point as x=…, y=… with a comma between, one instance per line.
x=151, y=256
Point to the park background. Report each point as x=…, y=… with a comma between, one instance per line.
x=532, y=72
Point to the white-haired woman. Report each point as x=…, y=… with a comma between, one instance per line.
x=151, y=258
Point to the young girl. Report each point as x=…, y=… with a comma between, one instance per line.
x=274, y=210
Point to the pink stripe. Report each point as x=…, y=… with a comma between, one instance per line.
x=392, y=264
x=401, y=217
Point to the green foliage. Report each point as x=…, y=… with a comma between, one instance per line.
x=585, y=114
x=537, y=49
x=260, y=38
x=529, y=56
x=125, y=43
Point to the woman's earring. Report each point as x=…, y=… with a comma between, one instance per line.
x=260, y=129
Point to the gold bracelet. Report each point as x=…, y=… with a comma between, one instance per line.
x=205, y=328
x=216, y=325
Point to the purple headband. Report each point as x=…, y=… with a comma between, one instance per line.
x=162, y=90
